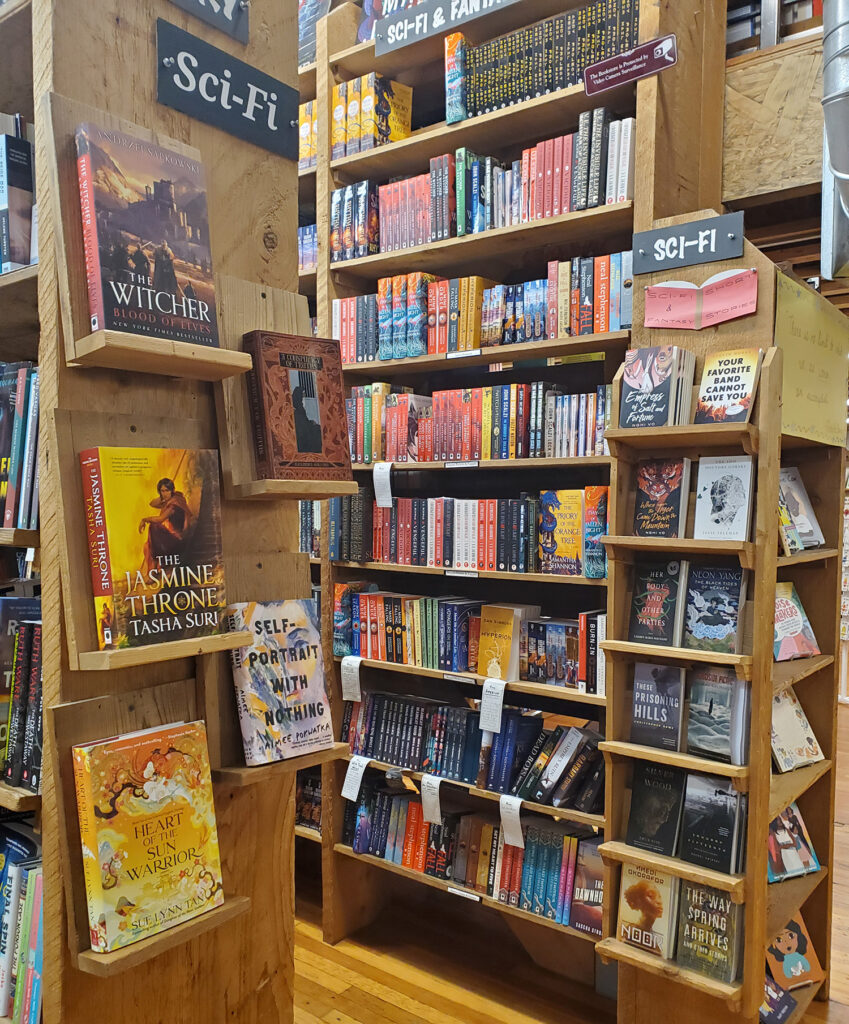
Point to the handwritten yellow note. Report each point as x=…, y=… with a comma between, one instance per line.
x=814, y=337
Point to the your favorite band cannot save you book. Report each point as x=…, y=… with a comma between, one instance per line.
x=297, y=405
x=153, y=518
x=280, y=684
x=146, y=237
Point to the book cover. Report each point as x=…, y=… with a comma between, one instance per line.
x=711, y=822
x=657, y=707
x=794, y=637
x=149, y=838
x=727, y=389
x=716, y=713
x=648, y=387
x=657, y=796
x=801, y=509
x=588, y=891
x=146, y=233
x=297, y=408
x=663, y=489
x=793, y=741
x=281, y=692
x=724, y=498
x=788, y=535
x=13, y=612
x=14, y=388
x=654, y=605
x=790, y=850
x=715, y=598
x=777, y=1006
x=595, y=526
x=561, y=516
x=791, y=957
x=709, y=932
x=153, y=518
x=648, y=909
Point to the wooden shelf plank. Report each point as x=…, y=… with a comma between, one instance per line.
x=152, y=654
x=10, y=538
x=303, y=832
x=105, y=965
x=502, y=249
x=510, y=126
x=622, y=853
x=116, y=350
x=804, y=997
x=414, y=467
x=617, y=547
x=547, y=349
x=244, y=775
x=516, y=686
x=292, y=490
x=787, y=673
x=784, y=899
x=742, y=663
x=789, y=786
x=522, y=577
x=14, y=798
x=717, y=435
x=738, y=772
x=621, y=951
x=19, y=293
x=810, y=555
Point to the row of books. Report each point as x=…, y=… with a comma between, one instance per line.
x=22, y=899
x=535, y=60
x=309, y=528
x=307, y=248
x=504, y=421
x=367, y=112
x=557, y=875
x=18, y=216
x=308, y=799
x=24, y=737
x=19, y=476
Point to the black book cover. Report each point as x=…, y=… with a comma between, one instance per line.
x=31, y=757
x=581, y=162
x=513, y=506
x=448, y=533
x=345, y=551
x=393, y=532
x=657, y=705
x=647, y=387
x=522, y=561
x=371, y=327
x=657, y=507
x=657, y=796
x=592, y=793
x=586, y=298
x=654, y=603
x=597, y=183
x=711, y=808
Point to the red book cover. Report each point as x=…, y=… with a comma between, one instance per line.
x=481, y=507
x=548, y=200
x=396, y=418
x=421, y=846
x=566, y=194
x=432, y=316
x=551, y=310
x=411, y=833
x=419, y=189
x=438, y=529
x=477, y=420
x=395, y=216
x=526, y=174
x=582, y=647
x=601, y=293
x=466, y=422
x=532, y=184
x=441, y=426
x=539, y=181
x=360, y=398
x=379, y=624
x=352, y=327
x=457, y=424
x=516, y=877
x=557, y=196
x=443, y=292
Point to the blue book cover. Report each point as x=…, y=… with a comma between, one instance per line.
x=519, y=314
x=471, y=748
x=555, y=860
x=504, y=768
x=460, y=647
x=541, y=874
x=398, y=851
x=478, y=223
x=627, y=303
x=334, y=509
x=495, y=754
x=615, y=319
x=529, y=868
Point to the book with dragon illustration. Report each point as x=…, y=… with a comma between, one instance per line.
x=280, y=685
x=663, y=492
x=149, y=838
x=561, y=515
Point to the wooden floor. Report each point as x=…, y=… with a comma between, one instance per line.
x=408, y=968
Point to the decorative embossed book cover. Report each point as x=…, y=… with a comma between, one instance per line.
x=149, y=838
x=297, y=406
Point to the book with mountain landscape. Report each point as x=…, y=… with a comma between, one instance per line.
x=146, y=234
x=712, y=829
x=662, y=496
x=657, y=610
x=648, y=909
x=728, y=386
x=714, y=602
x=718, y=714
x=657, y=797
x=657, y=706
x=710, y=937
x=794, y=635
x=724, y=498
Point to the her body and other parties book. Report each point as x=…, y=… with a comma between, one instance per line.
x=713, y=831
x=801, y=509
x=657, y=611
x=658, y=705
x=146, y=234
x=718, y=714
x=153, y=518
x=663, y=493
x=728, y=386
x=280, y=684
x=710, y=937
x=648, y=909
x=657, y=797
x=149, y=837
x=793, y=741
x=656, y=387
x=794, y=636
x=791, y=957
x=724, y=498
x=791, y=852
x=715, y=599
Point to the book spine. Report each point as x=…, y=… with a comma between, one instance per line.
x=31, y=750
x=22, y=390
x=88, y=835
x=96, y=304
x=98, y=541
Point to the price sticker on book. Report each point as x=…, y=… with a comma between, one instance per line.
x=351, y=677
x=381, y=477
x=431, y=810
x=354, y=777
x=492, y=701
x=511, y=825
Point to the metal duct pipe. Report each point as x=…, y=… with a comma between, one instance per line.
x=835, y=86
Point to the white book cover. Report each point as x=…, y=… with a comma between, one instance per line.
x=474, y=515
x=627, y=140
x=793, y=740
x=612, y=186
x=573, y=425
x=601, y=658
x=800, y=508
x=550, y=425
x=336, y=327
x=724, y=498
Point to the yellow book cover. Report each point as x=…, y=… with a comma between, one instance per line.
x=564, y=298
x=304, y=134
x=417, y=632
x=486, y=425
x=511, y=451
x=153, y=518
x=561, y=517
x=729, y=382
x=352, y=129
x=482, y=874
x=499, y=628
x=338, y=128
x=147, y=824
x=378, y=420
x=463, y=327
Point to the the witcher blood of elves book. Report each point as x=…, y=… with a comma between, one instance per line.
x=146, y=234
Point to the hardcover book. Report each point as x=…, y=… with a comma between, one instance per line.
x=656, y=608
x=658, y=704
x=788, y=535
x=657, y=796
x=561, y=515
x=153, y=517
x=795, y=497
x=149, y=838
x=793, y=741
x=648, y=909
x=663, y=492
x=595, y=526
x=281, y=693
x=297, y=402
x=794, y=637
x=656, y=387
x=715, y=599
x=717, y=717
x=709, y=932
x=791, y=957
x=588, y=892
x=710, y=831
x=146, y=233
x=791, y=852
x=729, y=382
x=724, y=498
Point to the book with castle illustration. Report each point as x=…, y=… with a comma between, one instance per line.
x=146, y=236
x=148, y=831
x=280, y=685
x=153, y=519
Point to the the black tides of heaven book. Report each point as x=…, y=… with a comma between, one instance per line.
x=146, y=234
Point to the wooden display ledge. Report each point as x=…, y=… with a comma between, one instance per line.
x=483, y=574
x=14, y=798
x=11, y=538
x=619, y=547
x=451, y=464
x=739, y=773
x=789, y=786
x=105, y=965
x=807, y=556
x=245, y=775
x=699, y=436
x=473, y=679
x=152, y=654
x=304, y=832
x=548, y=348
x=622, y=853
x=459, y=890
x=116, y=350
x=785, y=899
x=787, y=673
x=741, y=663
x=274, y=490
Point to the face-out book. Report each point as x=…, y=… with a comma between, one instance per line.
x=656, y=607
x=297, y=405
x=711, y=832
x=656, y=385
x=648, y=909
x=146, y=235
x=717, y=715
x=280, y=684
x=791, y=852
x=149, y=838
x=657, y=705
x=793, y=741
x=657, y=796
x=791, y=957
x=588, y=891
x=727, y=389
x=662, y=497
x=153, y=518
x=794, y=636
x=777, y=1005
x=710, y=938
x=715, y=599
x=723, y=498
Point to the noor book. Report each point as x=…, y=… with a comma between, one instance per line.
x=146, y=235
x=648, y=909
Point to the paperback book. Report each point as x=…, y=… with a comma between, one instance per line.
x=662, y=498
x=657, y=797
x=656, y=387
x=791, y=957
x=718, y=715
x=794, y=637
x=791, y=852
x=712, y=833
x=724, y=498
x=800, y=507
x=588, y=893
x=793, y=741
x=648, y=909
x=658, y=705
x=715, y=599
x=657, y=611
x=710, y=939
x=728, y=386
x=777, y=1006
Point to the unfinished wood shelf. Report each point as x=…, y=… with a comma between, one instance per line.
x=251, y=775
x=633, y=547
x=483, y=574
x=698, y=436
x=807, y=557
x=741, y=663
x=115, y=350
x=787, y=673
x=19, y=292
x=13, y=538
x=304, y=832
x=307, y=282
x=571, y=463
x=622, y=853
x=785, y=899
x=739, y=773
x=789, y=786
x=15, y=798
x=153, y=654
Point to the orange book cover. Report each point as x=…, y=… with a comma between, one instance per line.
x=420, y=852
x=601, y=290
x=411, y=834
